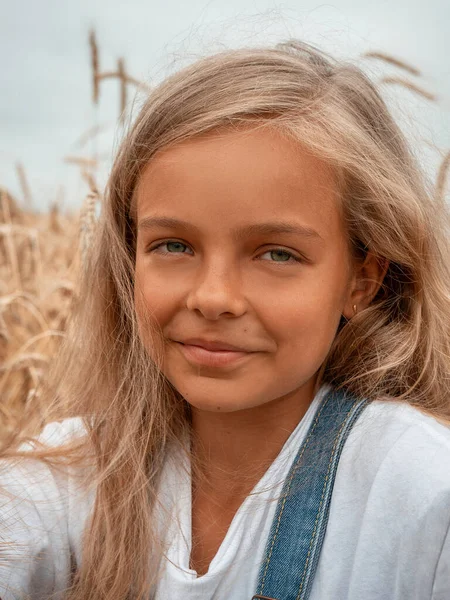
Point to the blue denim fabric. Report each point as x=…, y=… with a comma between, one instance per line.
x=297, y=531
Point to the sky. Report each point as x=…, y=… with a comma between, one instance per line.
x=46, y=102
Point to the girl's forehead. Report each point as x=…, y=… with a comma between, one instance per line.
x=244, y=171
x=265, y=149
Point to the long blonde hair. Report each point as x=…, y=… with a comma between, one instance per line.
x=398, y=347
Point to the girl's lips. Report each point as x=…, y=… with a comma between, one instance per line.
x=217, y=358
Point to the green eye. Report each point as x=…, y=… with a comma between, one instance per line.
x=281, y=254
x=169, y=244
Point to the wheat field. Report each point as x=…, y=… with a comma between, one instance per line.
x=39, y=261
x=41, y=256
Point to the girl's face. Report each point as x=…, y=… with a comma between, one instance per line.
x=240, y=240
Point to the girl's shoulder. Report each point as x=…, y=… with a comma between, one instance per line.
x=389, y=517
x=42, y=516
x=41, y=482
x=27, y=472
x=395, y=444
x=391, y=424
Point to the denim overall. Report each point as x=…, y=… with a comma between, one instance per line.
x=298, y=529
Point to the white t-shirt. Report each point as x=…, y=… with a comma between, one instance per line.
x=387, y=536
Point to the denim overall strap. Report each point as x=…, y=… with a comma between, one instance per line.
x=297, y=531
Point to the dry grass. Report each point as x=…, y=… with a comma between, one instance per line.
x=442, y=178
x=396, y=62
x=26, y=191
x=120, y=74
x=410, y=86
x=393, y=61
x=39, y=262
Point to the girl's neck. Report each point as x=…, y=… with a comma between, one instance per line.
x=233, y=450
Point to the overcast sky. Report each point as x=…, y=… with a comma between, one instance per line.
x=45, y=75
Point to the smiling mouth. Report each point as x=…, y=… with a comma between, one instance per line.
x=211, y=358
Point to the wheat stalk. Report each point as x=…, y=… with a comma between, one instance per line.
x=82, y=161
x=22, y=361
x=120, y=74
x=128, y=79
x=35, y=374
x=442, y=178
x=53, y=218
x=393, y=61
x=411, y=86
x=40, y=336
x=123, y=87
x=87, y=224
x=10, y=247
x=7, y=231
x=31, y=395
x=89, y=178
x=6, y=228
x=24, y=184
x=9, y=208
x=89, y=134
x=6, y=210
x=94, y=64
x=36, y=253
x=28, y=302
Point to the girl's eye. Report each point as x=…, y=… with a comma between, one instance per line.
x=170, y=244
x=279, y=255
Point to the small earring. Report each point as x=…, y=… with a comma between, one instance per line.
x=355, y=310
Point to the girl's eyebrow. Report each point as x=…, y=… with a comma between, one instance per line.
x=267, y=228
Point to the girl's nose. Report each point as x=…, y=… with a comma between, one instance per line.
x=217, y=291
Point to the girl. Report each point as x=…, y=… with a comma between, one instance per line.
x=253, y=401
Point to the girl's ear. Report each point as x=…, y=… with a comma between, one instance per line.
x=365, y=283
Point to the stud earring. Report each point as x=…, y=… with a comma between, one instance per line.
x=355, y=310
